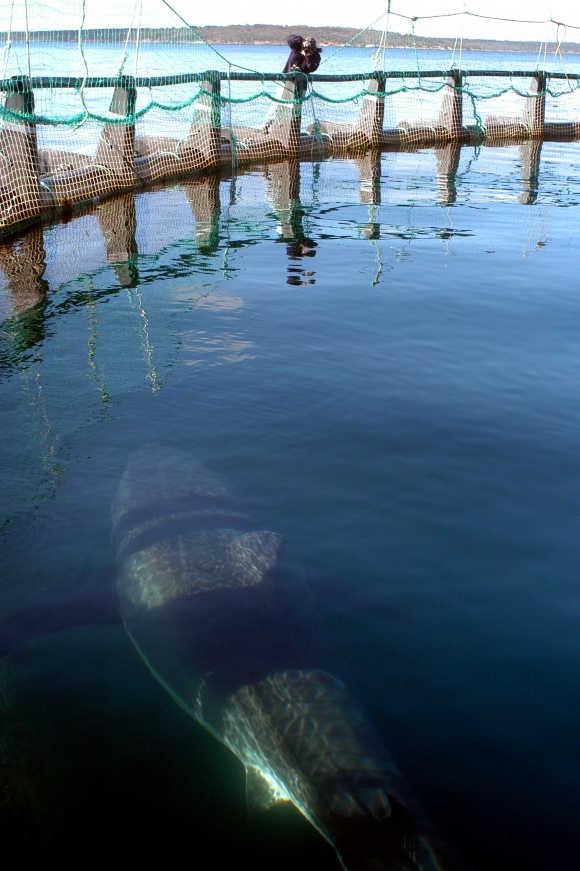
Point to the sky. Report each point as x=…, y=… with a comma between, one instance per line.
x=362, y=12
x=58, y=14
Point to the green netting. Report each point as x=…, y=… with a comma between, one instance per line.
x=90, y=110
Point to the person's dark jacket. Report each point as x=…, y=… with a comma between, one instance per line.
x=296, y=58
x=311, y=61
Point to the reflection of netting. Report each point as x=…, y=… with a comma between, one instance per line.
x=145, y=98
x=200, y=230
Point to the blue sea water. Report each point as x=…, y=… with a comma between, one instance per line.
x=395, y=386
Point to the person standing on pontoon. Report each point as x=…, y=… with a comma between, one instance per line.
x=296, y=57
x=295, y=62
x=311, y=54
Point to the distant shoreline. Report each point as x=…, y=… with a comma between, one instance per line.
x=270, y=34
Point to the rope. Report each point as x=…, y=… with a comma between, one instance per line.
x=201, y=39
x=229, y=100
x=379, y=55
x=338, y=49
x=416, y=52
x=233, y=137
x=558, y=51
x=482, y=16
x=8, y=44
x=138, y=41
x=125, y=54
x=86, y=113
x=27, y=36
x=423, y=86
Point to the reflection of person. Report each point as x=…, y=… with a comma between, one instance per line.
x=296, y=250
x=283, y=191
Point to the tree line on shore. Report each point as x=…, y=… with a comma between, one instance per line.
x=271, y=34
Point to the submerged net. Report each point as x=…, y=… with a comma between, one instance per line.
x=90, y=110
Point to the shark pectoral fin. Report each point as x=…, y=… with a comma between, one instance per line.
x=261, y=794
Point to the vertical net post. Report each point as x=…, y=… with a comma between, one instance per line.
x=201, y=149
x=535, y=109
x=451, y=112
x=285, y=127
x=20, y=195
x=117, y=145
x=371, y=118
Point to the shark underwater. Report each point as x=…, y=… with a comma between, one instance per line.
x=208, y=598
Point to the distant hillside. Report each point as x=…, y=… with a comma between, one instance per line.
x=273, y=34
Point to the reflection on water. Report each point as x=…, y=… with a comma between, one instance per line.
x=23, y=259
x=380, y=356
x=284, y=195
x=530, y=155
x=23, y=265
x=201, y=349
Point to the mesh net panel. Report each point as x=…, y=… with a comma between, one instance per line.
x=90, y=111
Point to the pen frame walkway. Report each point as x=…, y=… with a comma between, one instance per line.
x=37, y=182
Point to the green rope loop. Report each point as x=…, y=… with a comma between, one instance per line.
x=310, y=95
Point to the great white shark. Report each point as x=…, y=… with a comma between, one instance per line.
x=210, y=602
